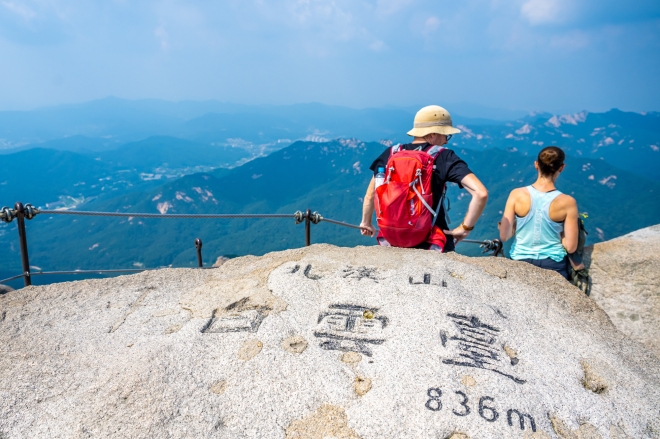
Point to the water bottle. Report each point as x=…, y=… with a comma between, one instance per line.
x=380, y=177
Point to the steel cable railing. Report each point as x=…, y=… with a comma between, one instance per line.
x=166, y=215
x=22, y=212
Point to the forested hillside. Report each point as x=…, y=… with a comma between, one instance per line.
x=328, y=177
x=211, y=157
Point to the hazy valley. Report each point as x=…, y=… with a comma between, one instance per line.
x=151, y=156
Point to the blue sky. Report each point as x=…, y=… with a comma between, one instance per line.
x=554, y=55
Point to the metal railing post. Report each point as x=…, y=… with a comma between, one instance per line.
x=308, y=216
x=22, y=237
x=498, y=247
x=198, y=246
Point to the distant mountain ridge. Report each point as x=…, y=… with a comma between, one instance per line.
x=329, y=177
x=125, y=120
x=630, y=141
x=188, y=156
x=627, y=140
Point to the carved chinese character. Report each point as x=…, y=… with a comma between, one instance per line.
x=476, y=344
x=360, y=273
x=245, y=321
x=351, y=328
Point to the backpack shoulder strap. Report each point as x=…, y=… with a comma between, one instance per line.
x=435, y=151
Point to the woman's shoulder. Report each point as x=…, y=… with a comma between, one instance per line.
x=519, y=192
x=565, y=199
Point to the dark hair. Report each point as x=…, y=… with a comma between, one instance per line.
x=550, y=159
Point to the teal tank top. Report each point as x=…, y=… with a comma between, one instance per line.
x=537, y=236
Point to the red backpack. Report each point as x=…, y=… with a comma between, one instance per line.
x=403, y=202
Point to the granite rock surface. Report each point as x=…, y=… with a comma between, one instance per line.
x=323, y=342
x=625, y=276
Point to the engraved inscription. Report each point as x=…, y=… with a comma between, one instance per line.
x=426, y=279
x=498, y=312
x=350, y=328
x=521, y=419
x=246, y=321
x=360, y=273
x=486, y=408
x=434, y=403
x=486, y=412
x=463, y=403
x=308, y=274
x=477, y=345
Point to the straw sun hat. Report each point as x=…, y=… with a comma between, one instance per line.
x=432, y=119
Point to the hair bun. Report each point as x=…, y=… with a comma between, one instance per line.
x=550, y=160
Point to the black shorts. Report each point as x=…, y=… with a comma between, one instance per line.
x=551, y=264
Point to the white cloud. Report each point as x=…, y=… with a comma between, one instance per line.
x=161, y=34
x=571, y=41
x=542, y=11
x=20, y=9
x=378, y=46
x=495, y=52
x=389, y=7
x=432, y=24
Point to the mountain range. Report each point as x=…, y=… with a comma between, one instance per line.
x=629, y=141
x=329, y=177
x=610, y=170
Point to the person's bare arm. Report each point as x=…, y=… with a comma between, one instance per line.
x=508, y=222
x=479, y=198
x=571, y=228
x=366, y=225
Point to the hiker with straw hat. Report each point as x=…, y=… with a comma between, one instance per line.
x=408, y=177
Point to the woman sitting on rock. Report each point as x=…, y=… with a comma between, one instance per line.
x=542, y=221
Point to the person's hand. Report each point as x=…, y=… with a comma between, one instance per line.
x=459, y=233
x=367, y=229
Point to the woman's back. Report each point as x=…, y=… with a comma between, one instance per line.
x=537, y=236
x=542, y=221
